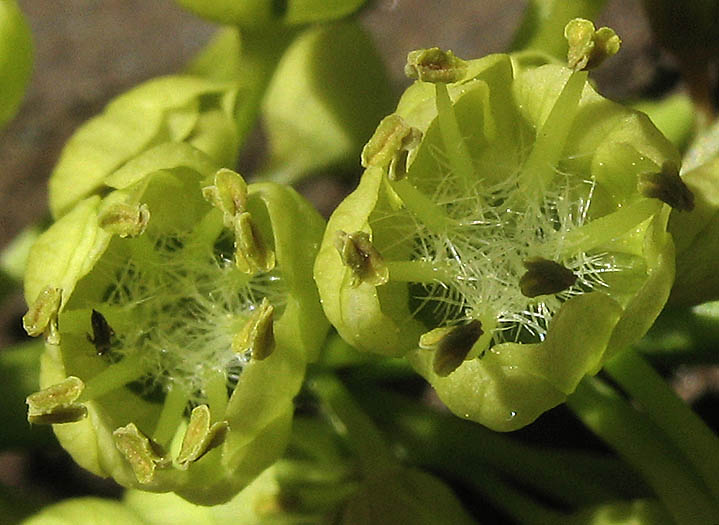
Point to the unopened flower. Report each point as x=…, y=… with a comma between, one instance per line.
x=525, y=245
x=180, y=108
x=174, y=363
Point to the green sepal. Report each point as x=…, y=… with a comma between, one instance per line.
x=66, y=252
x=356, y=311
x=256, y=13
x=16, y=57
x=513, y=384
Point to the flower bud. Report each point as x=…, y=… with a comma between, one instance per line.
x=149, y=323
x=518, y=242
x=173, y=108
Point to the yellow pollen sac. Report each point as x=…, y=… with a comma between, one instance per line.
x=144, y=455
x=435, y=65
x=228, y=194
x=257, y=335
x=56, y=404
x=125, y=220
x=200, y=437
x=41, y=317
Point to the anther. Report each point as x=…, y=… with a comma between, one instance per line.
x=435, y=65
x=589, y=47
x=124, y=220
x=359, y=254
x=228, y=194
x=667, y=186
x=56, y=404
x=257, y=335
x=545, y=277
x=41, y=317
x=143, y=454
x=252, y=255
x=200, y=437
x=451, y=344
x=391, y=146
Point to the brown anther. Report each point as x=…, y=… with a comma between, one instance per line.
x=359, y=254
x=544, y=277
x=451, y=345
x=667, y=186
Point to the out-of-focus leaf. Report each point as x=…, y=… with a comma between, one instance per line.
x=16, y=56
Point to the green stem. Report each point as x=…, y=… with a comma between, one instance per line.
x=418, y=271
x=515, y=503
x=370, y=447
x=171, y=415
x=216, y=392
x=445, y=443
x=606, y=228
x=422, y=207
x=642, y=445
x=540, y=166
x=678, y=422
x=113, y=377
x=455, y=147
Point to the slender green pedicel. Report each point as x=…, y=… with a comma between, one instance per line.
x=181, y=338
x=524, y=245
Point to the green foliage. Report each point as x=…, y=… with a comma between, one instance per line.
x=16, y=55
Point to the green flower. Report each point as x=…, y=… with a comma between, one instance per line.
x=186, y=318
x=524, y=242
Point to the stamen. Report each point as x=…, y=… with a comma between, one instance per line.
x=172, y=414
